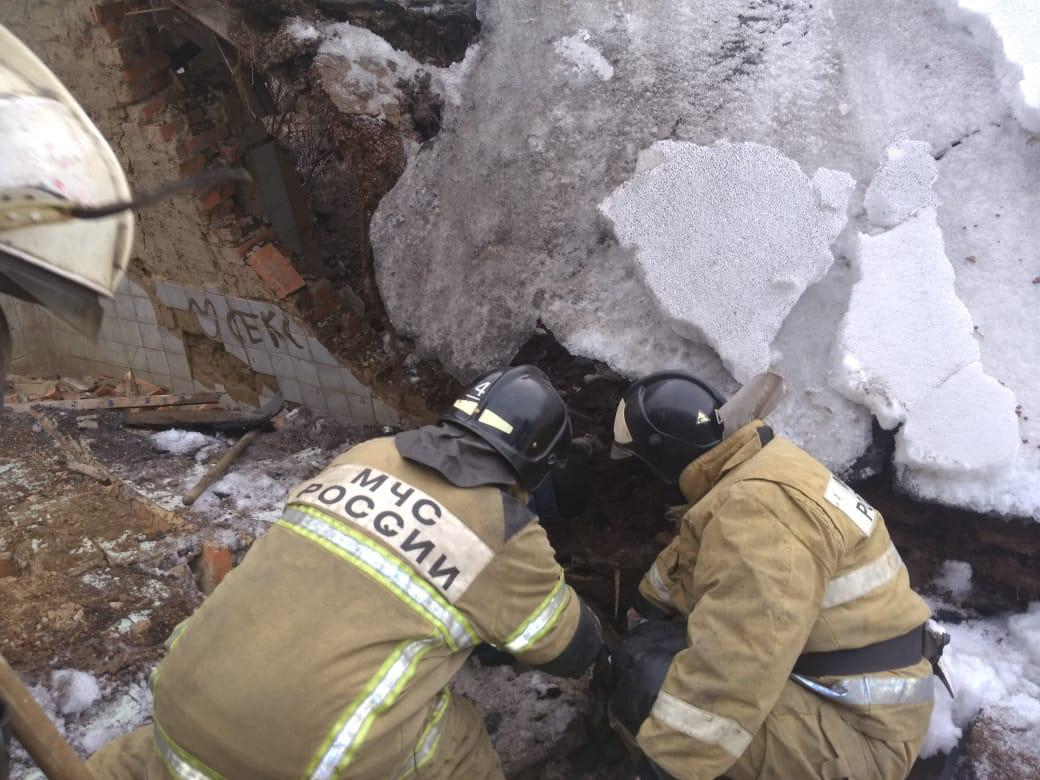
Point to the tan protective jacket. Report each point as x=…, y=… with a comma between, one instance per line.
x=326, y=653
x=776, y=557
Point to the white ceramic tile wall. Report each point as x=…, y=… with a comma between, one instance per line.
x=256, y=333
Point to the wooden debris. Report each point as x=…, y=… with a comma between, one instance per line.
x=115, y=402
x=88, y=470
x=218, y=468
x=202, y=416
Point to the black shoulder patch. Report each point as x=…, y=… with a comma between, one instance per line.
x=765, y=435
x=516, y=515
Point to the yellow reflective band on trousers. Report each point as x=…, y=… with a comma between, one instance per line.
x=427, y=743
x=384, y=567
x=178, y=763
x=540, y=621
x=382, y=690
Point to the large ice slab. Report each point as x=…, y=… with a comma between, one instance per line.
x=966, y=425
x=728, y=237
x=1010, y=29
x=906, y=330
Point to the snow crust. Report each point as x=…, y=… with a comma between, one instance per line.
x=1010, y=30
x=738, y=221
x=995, y=666
x=585, y=58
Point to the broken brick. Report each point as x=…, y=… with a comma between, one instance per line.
x=213, y=566
x=192, y=166
x=106, y=12
x=205, y=140
x=8, y=568
x=145, y=112
x=274, y=268
x=247, y=246
x=212, y=199
x=139, y=70
x=168, y=131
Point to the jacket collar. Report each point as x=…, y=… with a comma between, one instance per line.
x=702, y=474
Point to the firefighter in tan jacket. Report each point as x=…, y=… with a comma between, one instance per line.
x=328, y=651
x=799, y=649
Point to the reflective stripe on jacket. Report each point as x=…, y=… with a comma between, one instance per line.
x=776, y=557
x=326, y=653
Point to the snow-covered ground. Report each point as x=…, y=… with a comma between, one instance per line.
x=995, y=670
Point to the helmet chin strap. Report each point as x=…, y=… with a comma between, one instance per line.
x=753, y=401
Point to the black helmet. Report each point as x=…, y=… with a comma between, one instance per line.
x=519, y=413
x=667, y=420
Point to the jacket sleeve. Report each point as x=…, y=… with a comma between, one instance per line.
x=528, y=610
x=655, y=596
x=757, y=591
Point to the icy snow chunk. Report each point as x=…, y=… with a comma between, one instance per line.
x=1010, y=29
x=302, y=30
x=967, y=424
x=587, y=59
x=361, y=71
x=73, y=691
x=728, y=237
x=995, y=667
x=902, y=185
x=906, y=330
x=956, y=578
x=178, y=442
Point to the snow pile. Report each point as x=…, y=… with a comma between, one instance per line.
x=995, y=669
x=902, y=185
x=507, y=199
x=1010, y=29
x=955, y=578
x=178, y=442
x=585, y=58
x=741, y=221
x=87, y=712
x=73, y=691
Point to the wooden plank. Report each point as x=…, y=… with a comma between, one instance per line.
x=192, y=417
x=179, y=399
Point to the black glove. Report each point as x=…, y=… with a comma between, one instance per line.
x=648, y=770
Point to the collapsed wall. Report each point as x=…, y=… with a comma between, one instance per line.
x=226, y=290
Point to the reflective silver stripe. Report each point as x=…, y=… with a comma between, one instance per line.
x=859, y=582
x=541, y=620
x=381, y=693
x=428, y=740
x=387, y=569
x=700, y=724
x=864, y=691
x=661, y=591
x=176, y=760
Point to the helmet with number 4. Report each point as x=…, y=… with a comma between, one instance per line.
x=519, y=413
